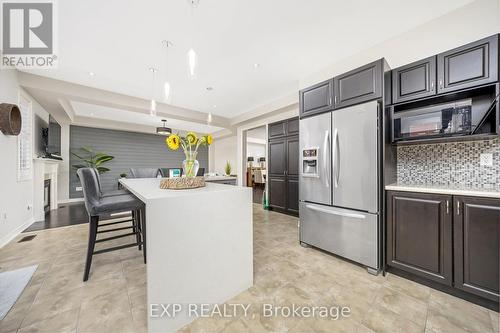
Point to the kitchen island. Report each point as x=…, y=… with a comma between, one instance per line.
x=199, y=248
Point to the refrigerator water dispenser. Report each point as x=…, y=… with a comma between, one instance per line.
x=310, y=162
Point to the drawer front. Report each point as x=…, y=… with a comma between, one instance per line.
x=347, y=233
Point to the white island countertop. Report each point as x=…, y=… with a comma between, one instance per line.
x=199, y=247
x=446, y=189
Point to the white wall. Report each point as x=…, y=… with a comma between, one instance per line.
x=256, y=150
x=221, y=151
x=16, y=198
x=474, y=21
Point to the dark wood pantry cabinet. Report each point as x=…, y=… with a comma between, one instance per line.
x=419, y=234
x=283, y=168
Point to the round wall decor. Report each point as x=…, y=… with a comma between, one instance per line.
x=10, y=119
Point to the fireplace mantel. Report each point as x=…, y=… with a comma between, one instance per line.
x=43, y=169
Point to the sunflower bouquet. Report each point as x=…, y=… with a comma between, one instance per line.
x=190, y=144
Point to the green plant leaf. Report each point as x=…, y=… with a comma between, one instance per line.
x=102, y=169
x=87, y=149
x=102, y=159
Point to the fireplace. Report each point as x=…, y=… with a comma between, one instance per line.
x=46, y=195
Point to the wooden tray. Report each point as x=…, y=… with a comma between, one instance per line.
x=182, y=183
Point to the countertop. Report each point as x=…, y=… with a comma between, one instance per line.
x=446, y=189
x=216, y=178
x=149, y=189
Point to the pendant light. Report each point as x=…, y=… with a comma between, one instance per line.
x=166, y=86
x=164, y=130
x=152, y=107
x=191, y=55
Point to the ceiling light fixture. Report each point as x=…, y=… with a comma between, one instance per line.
x=152, y=107
x=164, y=130
x=191, y=55
x=91, y=73
x=209, y=118
x=256, y=65
x=166, y=85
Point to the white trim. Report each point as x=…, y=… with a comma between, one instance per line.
x=14, y=233
x=66, y=201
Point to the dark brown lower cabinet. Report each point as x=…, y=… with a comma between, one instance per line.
x=419, y=232
x=277, y=192
x=476, y=228
x=453, y=240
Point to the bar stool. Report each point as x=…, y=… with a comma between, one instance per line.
x=144, y=172
x=98, y=206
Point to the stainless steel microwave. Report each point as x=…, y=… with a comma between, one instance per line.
x=434, y=121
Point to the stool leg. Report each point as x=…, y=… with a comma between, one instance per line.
x=93, y=221
x=136, y=216
x=143, y=231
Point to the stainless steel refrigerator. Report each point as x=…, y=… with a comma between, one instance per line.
x=339, y=183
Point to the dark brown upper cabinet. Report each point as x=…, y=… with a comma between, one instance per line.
x=467, y=66
x=316, y=99
x=292, y=126
x=419, y=234
x=415, y=80
x=277, y=130
x=476, y=227
x=359, y=85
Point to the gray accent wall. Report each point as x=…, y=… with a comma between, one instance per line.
x=130, y=149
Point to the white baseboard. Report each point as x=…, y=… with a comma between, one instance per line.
x=65, y=201
x=11, y=235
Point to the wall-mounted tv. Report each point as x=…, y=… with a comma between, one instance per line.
x=52, y=139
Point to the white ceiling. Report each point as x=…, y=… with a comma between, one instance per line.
x=102, y=112
x=119, y=40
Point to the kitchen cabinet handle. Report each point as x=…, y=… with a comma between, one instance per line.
x=447, y=207
x=335, y=100
x=458, y=207
x=432, y=85
x=326, y=146
x=335, y=212
x=440, y=83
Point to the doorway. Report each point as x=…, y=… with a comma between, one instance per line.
x=256, y=155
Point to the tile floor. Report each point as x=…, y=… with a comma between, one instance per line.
x=114, y=299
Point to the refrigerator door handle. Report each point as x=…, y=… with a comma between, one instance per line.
x=326, y=146
x=335, y=212
x=336, y=158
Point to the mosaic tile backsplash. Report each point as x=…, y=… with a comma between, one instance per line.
x=455, y=163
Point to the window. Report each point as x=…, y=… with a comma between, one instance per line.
x=25, y=142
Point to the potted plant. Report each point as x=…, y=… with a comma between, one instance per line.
x=93, y=159
x=190, y=144
x=227, y=169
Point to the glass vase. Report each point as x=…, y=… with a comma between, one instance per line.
x=190, y=165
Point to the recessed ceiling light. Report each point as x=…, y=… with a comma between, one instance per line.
x=210, y=88
x=214, y=106
x=256, y=65
x=91, y=73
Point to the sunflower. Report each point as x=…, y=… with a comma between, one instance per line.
x=173, y=141
x=191, y=138
x=210, y=139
